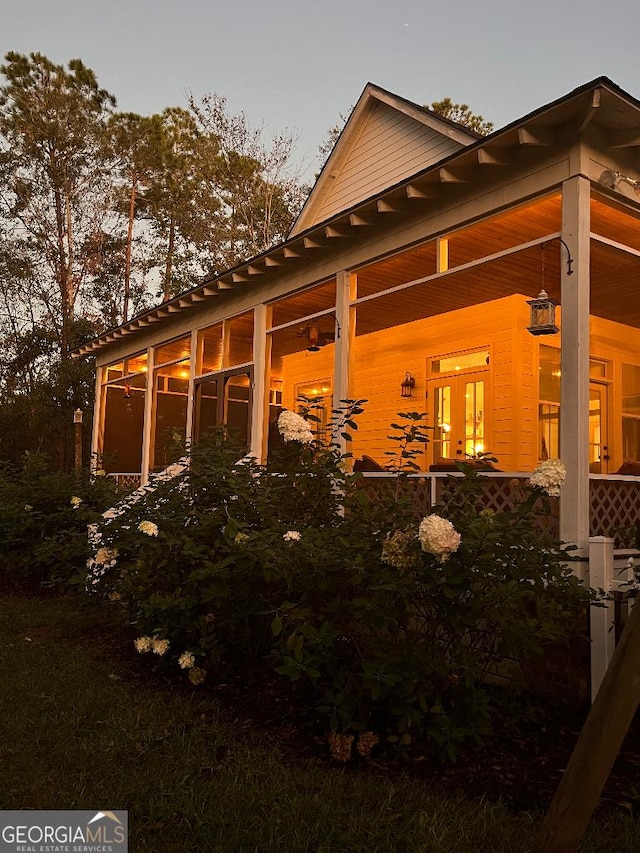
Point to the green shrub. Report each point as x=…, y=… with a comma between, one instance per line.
x=43, y=524
x=399, y=631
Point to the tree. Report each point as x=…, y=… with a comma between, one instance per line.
x=96, y=205
x=56, y=185
x=462, y=114
x=260, y=193
x=180, y=202
x=137, y=144
x=333, y=134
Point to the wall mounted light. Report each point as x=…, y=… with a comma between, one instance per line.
x=407, y=385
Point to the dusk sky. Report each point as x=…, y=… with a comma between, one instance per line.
x=297, y=65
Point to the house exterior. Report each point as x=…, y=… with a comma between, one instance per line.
x=412, y=262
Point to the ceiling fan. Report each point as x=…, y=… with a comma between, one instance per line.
x=315, y=337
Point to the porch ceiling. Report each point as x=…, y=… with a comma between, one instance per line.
x=615, y=273
x=615, y=287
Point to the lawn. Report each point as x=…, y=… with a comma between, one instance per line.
x=83, y=727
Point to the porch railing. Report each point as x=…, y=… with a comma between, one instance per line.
x=126, y=482
x=614, y=499
x=614, y=507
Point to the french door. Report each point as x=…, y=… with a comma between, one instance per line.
x=224, y=398
x=598, y=423
x=458, y=415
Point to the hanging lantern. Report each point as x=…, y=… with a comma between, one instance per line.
x=407, y=385
x=543, y=315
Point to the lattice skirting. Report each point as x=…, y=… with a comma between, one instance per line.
x=614, y=509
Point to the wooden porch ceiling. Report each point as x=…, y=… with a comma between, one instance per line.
x=615, y=287
x=512, y=228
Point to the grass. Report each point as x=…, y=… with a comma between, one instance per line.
x=82, y=730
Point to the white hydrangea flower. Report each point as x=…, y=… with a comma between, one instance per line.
x=186, y=660
x=159, y=647
x=438, y=537
x=148, y=528
x=549, y=476
x=292, y=536
x=143, y=644
x=75, y=501
x=106, y=556
x=293, y=427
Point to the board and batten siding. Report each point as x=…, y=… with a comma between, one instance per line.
x=390, y=147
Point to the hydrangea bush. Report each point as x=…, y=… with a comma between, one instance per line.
x=398, y=628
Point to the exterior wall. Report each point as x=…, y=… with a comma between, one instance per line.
x=390, y=146
x=381, y=360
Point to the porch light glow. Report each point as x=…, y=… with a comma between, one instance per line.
x=543, y=315
x=407, y=385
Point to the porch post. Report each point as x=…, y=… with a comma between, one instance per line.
x=574, y=396
x=147, y=428
x=96, y=430
x=261, y=362
x=193, y=364
x=345, y=332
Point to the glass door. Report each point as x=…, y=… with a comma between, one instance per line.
x=598, y=442
x=458, y=416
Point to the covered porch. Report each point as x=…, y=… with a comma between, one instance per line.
x=440, y=327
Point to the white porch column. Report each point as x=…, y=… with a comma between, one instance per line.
x=97, y=425
x=193, y=364
x=345, y=333
x=261, y=363
x=574, y=397
x=147, y=429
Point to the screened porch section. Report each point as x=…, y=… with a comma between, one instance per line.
x=439, y=328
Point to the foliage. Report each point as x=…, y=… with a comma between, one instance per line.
x=103, y=213
x=462, y=114
x=395, y=641
x=56, y=191
x=43, y=524
x=333, y=134
x=258, y=192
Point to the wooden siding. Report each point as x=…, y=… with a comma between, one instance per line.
x=382, y=358
x=390, y=146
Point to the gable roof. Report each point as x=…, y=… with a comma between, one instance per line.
x=381, y=124
x=620, y=119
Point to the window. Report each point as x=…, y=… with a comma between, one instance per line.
x=549, y=402
x=315, y=398
x=630, y=412
x=171, y=394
